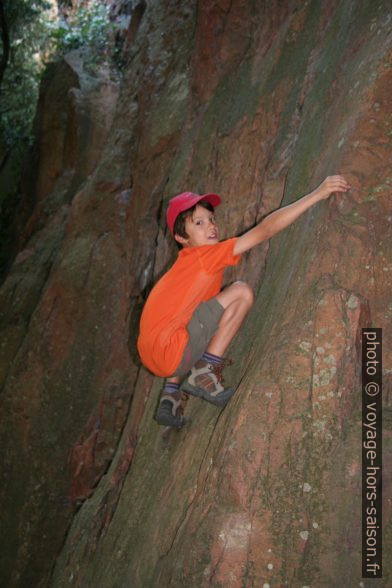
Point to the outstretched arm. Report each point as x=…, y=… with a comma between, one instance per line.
x=274, y=222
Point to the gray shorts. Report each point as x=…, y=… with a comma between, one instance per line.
x=201, y=328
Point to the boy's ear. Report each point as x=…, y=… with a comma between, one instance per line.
x=180, y=239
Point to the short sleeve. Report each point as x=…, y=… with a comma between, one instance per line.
x=214, y=258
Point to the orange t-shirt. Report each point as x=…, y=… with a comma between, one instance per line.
x=196, y=276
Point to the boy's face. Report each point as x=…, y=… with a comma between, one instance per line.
x=201, y=228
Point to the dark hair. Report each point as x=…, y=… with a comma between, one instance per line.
x=179, y=225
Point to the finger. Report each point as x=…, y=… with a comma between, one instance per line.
x=339, y=184
x=342, y=180
x=338, y=178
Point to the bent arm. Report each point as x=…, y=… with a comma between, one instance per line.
x=283, y=217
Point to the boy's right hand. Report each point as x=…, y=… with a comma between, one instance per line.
x=330, y=185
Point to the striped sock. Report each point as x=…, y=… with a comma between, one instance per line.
x=211, y=358
x=171, y=388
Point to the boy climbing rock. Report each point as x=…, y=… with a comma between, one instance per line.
x=188, y=322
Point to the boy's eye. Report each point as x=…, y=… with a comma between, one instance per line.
x=200, y=221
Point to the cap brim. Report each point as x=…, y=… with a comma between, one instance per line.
x=213, y=199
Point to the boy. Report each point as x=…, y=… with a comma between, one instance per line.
x=187, y=322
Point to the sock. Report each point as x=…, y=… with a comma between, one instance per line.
x=211, y=358
x=172, y=388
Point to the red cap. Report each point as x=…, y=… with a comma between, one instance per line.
x=183, y=202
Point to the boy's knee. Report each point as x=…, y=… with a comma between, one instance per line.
x=245, y=292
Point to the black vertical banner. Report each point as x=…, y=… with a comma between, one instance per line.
x=371, y=453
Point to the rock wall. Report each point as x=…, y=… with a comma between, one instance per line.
x=257, y=101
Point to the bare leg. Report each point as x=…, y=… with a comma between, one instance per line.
x=237, y=300
x=205, y=378
x=174, y=380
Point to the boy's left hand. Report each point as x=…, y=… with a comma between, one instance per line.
x=332, y=184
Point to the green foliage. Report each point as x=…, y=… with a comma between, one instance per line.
x=28, y=31
x=38, y=35
x=90, y=28
x=21, y=14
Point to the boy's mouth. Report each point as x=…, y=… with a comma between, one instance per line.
x=213, y=236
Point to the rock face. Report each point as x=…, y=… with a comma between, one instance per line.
x=257, y=101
